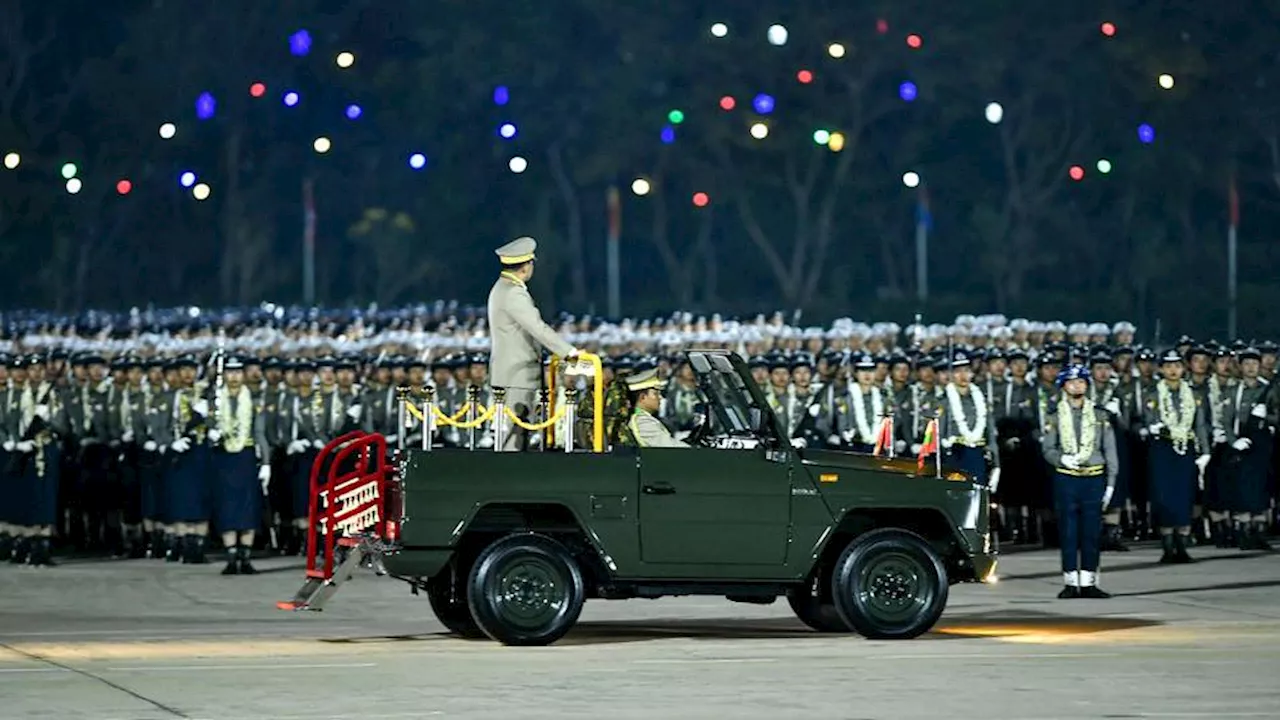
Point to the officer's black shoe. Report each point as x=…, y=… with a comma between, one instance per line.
x=1069, y=592
x=1166, y=544
x=233, y=565
x=21, y=549
x=42, y=553
x=1094, y=592
x=194, y=554
x=1222, y=534
x=246, y=567
x=1260, y=537
x=1112, y=541
x=6, y=545
x=1243, y=537
x=174, y=547
x=1180, y=555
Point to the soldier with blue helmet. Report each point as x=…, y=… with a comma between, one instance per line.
x=1079, y=444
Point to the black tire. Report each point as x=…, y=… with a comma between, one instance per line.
x=815, y=607
x=526, y=589
x=450, y=605
x=889, y=584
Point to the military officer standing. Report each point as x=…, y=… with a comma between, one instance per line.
x=1177, y=426
x=1250, y=427
x=518, y=334
x=242, y=470
x=967, y=428
x=1080, y=445
x=1104, y=396
x=867, y=405
x=303, y=438
x=645, y=391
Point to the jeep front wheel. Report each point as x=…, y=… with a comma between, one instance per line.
x=526, y=589
x=889, y=584
x=813, y=604
x=449, y=602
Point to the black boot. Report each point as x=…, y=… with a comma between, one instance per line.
x=1243, y=537
x=42, y=553
x=21, y=550
x=233, y=567
x=174, y=547
x=246, y=567
x=1180, y=555
x=196, y=545
x=6, y=545
x=1112, y=540
x=1260, y=537
x=1166, y=544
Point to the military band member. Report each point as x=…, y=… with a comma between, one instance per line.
x=242, y=471
x=1250, y=425
x=966, y=427
x=868, y=406
x=645, y=394
x=305, y=408
x=1079, y=444
x=1177, y=427
x=518, y=334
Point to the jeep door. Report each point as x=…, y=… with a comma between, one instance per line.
x=713, y=507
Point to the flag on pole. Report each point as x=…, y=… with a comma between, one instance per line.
x=884, y=437
x=930, y=444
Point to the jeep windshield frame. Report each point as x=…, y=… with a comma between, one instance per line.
x=726, y=383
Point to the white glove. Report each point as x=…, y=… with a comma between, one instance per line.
x=264, y=474
x=149, y=446
x=799, y=443
x=947, y=443
x=1113, y=406
x=899, y=445
x=814, y=411
x=127, y=437
x=317, y=444
x=200, y=407
x=1070, y=462
x=26, y=446
x=181, y=445
x=9, y=445
x=42, y=411
x=1202, y=462
x=833, y=439
x=915, y=448
x=1106, y=496
x=1242, y=444
x=1259, y=411
x=848, y=435
x=297, y=446
x=215, y=436
x=1012, y=443
x=354, y=411
x=391, y=439
x=1219, y=436
x=993, y=482
x=1155, y=428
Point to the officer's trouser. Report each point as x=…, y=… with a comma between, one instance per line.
x=521, y=402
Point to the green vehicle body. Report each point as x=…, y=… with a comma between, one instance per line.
x=750, y=524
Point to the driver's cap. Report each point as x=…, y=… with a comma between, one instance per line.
x=643, y=380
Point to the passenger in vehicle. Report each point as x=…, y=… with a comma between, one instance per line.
x=645, y=395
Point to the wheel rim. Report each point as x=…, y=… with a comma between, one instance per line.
x=894, y=587
x=530, y=593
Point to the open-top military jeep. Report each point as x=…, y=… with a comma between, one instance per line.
x=510, y=545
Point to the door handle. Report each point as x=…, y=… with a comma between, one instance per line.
x=659, y=489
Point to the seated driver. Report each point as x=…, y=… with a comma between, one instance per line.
x=645, y=394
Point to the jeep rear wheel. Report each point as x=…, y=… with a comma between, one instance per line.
x=526, y=590
x=815, y=608
x=449, y=602
x=889, y=584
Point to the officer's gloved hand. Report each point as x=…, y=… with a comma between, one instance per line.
x=915, y=448
x=1012, y=443
x=1113, y=406
x=848, y=436
x=391, y=439
x=833, y=440
x=1154, y=429
x=1259, y=410
x=799, y=443
x=1242, y=444
x=200, y=407
x=9, y=445
x=993, y=482
x=127, y=437
x=264, y=476
x=1219, y=436
x=947, y=443
x=215, y=436
x=26, y=446
x=42, y=412
x=1070, y=462
x=814, y=411
x=899, y=445
x=1202, y=462
x=317, y=444
x=354, y=411
x=181, y=445
x=1106, y=496
x=149, y=446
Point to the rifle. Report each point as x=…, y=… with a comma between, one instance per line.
x=219, y=363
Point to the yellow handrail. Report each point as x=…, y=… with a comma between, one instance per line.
x=486, y=414
x=534, y=427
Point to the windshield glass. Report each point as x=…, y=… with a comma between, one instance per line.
x=727, y=393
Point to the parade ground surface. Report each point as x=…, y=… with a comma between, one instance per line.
x=141, y=639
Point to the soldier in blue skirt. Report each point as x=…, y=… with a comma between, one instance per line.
x=1176, y=423
x=1079, y=443
x=10, y=395
x=241, y=468
x=1250, y=425
x=41, y=422
x=186, y=486
x=967, y=428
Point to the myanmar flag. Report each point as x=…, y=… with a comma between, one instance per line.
x=930, y=444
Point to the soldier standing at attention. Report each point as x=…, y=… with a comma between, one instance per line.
x=867, y=403
x=645, y=390
x=1250, y=426
x=519, y=333
x=1080, y=445
x=1177, y=425
x=242, y=468
x=967, y=429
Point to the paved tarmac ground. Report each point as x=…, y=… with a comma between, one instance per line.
x=147, y=640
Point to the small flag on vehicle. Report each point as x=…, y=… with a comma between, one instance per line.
x=930, y=444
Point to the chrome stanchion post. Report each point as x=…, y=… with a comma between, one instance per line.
x=428, y=417
x=544, y=413
x=473, y=395
x=402, y=414
x=499, y=418
x=570, y=413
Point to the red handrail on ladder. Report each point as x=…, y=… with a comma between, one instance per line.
x=371, y=467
